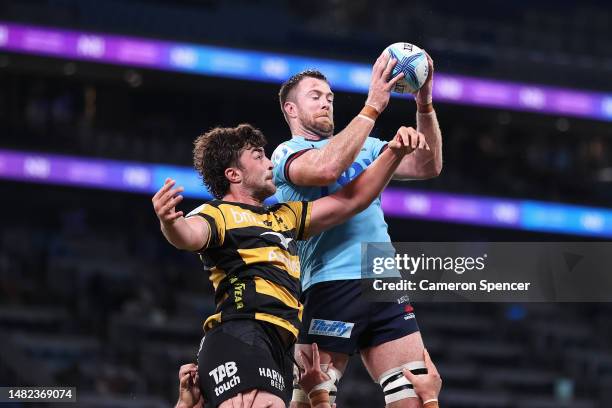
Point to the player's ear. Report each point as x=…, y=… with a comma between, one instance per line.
x=290, y=109
x=233, y=174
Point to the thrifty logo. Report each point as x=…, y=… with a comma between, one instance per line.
x=330, y=328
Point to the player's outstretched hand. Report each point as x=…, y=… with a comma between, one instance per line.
x=381, y=83
x=311, y=372
x=165, y=201
x=425, y=95
x=189, y=387
x=407, y=140
x=427, y=386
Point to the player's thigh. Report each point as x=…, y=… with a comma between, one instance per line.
x=254, y=399
x=339, y=360
x=391, y=354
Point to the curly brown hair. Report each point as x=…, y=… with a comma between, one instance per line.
x=219, y=149
x=290, y=84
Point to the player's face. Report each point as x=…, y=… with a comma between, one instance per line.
x=257, y=173
x=315, y=105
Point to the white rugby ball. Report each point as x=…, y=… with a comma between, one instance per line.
x=412, y=61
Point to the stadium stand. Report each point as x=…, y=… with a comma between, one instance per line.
x=91, y=295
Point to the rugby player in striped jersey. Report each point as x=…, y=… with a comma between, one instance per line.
x=251, y=253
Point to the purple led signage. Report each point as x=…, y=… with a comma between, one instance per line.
x=269, y=67
x=396, y=202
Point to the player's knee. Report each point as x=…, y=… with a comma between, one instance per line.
x=265, y=399
x=396, y=386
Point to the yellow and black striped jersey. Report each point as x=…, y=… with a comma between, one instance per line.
x=253, y=261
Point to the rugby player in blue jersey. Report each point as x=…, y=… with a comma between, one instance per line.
x=250, y=251
x=315, y=163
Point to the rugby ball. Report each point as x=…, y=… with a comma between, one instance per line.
x=412, y=61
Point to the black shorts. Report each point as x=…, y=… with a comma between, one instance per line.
x=338, y=319
x=241, y=355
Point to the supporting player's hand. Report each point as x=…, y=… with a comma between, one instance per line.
x=165, y=201
x=425, y=95
x=189, y=387
x=311, y=372
x=427, y=386
x=407, y=140
x=381, y=83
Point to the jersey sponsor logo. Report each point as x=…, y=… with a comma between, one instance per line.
x=284, y=241
x=276, y=379
x=246, y=217
x=239, y=288
x=291, y=265
x=332, y=328
x=225, y=377
x=280, y=153
x=353, y=171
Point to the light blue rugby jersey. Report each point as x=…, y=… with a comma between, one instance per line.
x=336, y=253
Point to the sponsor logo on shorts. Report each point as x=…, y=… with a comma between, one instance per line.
x=409, y=310
x=331, y=328
x=225, y=377
x=403, y=299
x=276, y=379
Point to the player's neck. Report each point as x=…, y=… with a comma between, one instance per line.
x=307, y=134
x=242, y=196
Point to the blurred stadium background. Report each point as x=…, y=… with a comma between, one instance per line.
x=92, y=118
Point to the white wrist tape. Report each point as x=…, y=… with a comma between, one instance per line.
x=300, y=396
x=366, y=118
x=331, y=386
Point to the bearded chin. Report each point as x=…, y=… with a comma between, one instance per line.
x=320, y=129
x=261, y=191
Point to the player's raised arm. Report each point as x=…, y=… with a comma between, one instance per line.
x=321, y=167
x=184, y=233
x=424, y=164
x=359, y=193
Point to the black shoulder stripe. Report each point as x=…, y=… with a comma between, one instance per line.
x=290, y=160
x=303, y=219
x=385, y=147
x=300, y=231
x=214, y=234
